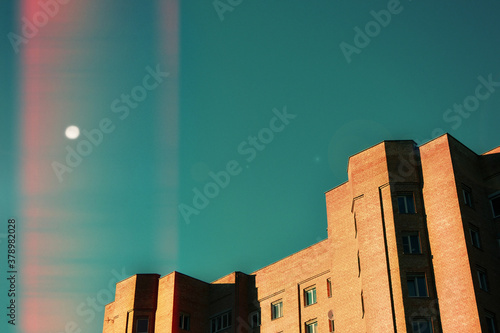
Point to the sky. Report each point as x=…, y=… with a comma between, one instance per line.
x=209, y=130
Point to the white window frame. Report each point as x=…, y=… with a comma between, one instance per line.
x=277, y=309
x=310, y=296
x=312, y=326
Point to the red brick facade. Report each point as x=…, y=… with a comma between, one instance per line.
x=413, y=246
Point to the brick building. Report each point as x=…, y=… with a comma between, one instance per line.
x=413, y=246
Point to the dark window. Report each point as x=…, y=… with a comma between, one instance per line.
x=467, y=197
x=310, y=296
x=491, y=323
x=417, y=286
x=255, y=319
x=483, y=279
x=411, y=243
x=406, y=204
x=421, y=325
x=474, y=235
x=184, y=321
x=355, y=227
x=362, y=304
x=142, y=325
x=495, y=205
x=277, y=309
x=359, y=266
x=329, y=287
x=220, y=322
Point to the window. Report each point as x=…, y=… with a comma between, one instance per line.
x=467, y=197
x=331, y=325
x=142, y=325
x=491, y=323
x=495, y=205
x=421, y=325
x=355, y=227
x=417, y=286
x=406, y=204
x=362, y=305
x=329, y=287
x=277, y=309
x=483, y=279
x=312, y=327
x=255, y=319
x=359, y=266
x=310, y=296
x=220, y=322
x=474, y=235
x=411, y=243
x=184, y=321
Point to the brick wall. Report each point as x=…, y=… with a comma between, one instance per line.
x=363, y=256
x=455, y=288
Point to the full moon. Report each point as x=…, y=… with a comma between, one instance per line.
x=72, y=132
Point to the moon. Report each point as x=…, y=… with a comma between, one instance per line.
x=72, y=132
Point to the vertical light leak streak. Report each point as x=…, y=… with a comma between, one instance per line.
x=168, y=131
x=43, y=106
x=32, y=181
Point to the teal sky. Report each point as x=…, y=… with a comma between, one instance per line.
x=118, y=209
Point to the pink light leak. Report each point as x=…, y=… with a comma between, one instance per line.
x=42, y=87
x=168, y=129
